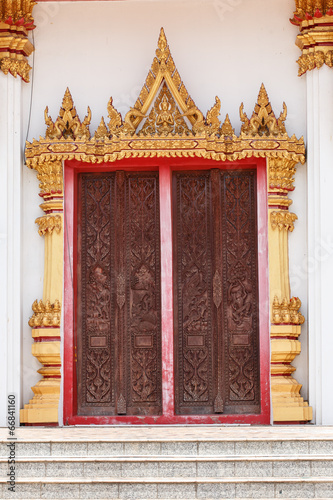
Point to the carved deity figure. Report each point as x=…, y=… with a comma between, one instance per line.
x=164, y=118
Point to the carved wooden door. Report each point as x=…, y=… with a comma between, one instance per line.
x=118, y=295
x=216, y=292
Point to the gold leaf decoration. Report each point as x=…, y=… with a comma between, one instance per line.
x=263, y=120
x=287, y=312
x=164, y=118
x=45, y=314
x=67, y=125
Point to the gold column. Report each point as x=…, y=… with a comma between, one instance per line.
x=45, y=322
x=315, y=21
x=15, y=22
x=286, y=320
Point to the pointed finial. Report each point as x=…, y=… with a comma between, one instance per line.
x=102, y=131
x=67, y=102
x=162, y=51
x=226, y=128
x=263, y=99
x=162, y=41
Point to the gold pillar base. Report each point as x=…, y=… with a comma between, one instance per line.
x=43, y=407
x=288, y=405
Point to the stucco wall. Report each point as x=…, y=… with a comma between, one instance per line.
x=102, y=49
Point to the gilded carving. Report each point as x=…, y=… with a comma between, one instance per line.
x=212, y=118
x=170, y=119
x=283, y=220
x=115, y=118
x=164, y=117
x=67, y=125
x=281, y=173
x=45, y=314
x=314, y=19
x=50, y=177
x=48, y=224
x=17, y=11
x=102, y=131
x=16, y=20
x=263, y=120
x=287, y=311
x=15, y=67
x=226, y=128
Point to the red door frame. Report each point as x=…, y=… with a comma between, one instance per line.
x=164, y=166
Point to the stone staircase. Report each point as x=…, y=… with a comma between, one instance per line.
x=165, y=462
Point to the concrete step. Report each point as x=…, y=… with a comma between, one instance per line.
x=167, y=488
x=167, y=448
x=162, y=466
x=197, y=462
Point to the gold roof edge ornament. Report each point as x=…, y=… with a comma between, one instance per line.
x=315, y=21
x=15, y=22
x=68, y=124
x=165, y=122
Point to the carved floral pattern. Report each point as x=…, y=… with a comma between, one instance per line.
x=240, y=293
x=194, y=274
x=95, y=331
x=143, y=305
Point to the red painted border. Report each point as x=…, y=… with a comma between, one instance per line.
x=165, y=166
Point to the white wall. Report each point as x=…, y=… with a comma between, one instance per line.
x=103, y=49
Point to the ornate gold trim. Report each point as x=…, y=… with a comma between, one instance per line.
x=45, y=314
x=165, y=122
x=15, y=22
x=66, y=138
x=283, y=220
x=48, y=224
x=287, y=311
x=315, y=21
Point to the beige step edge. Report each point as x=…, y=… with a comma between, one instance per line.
x=170, y=458
x=169, y=480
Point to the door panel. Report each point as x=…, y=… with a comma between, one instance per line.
x=195, y=345
x=216, y=292
x=240, y=292
x=118, y=281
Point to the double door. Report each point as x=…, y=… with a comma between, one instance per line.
x=119, y=335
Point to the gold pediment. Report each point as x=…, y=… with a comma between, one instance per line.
x=165, y=121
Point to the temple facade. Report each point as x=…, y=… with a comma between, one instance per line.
x=166, y=238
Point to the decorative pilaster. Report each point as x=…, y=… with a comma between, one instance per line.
x=45, y=322
x=15, y=22
x=286, y=320
x=315, y=21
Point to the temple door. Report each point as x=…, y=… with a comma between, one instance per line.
x=118, y=296
x=216, y=292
